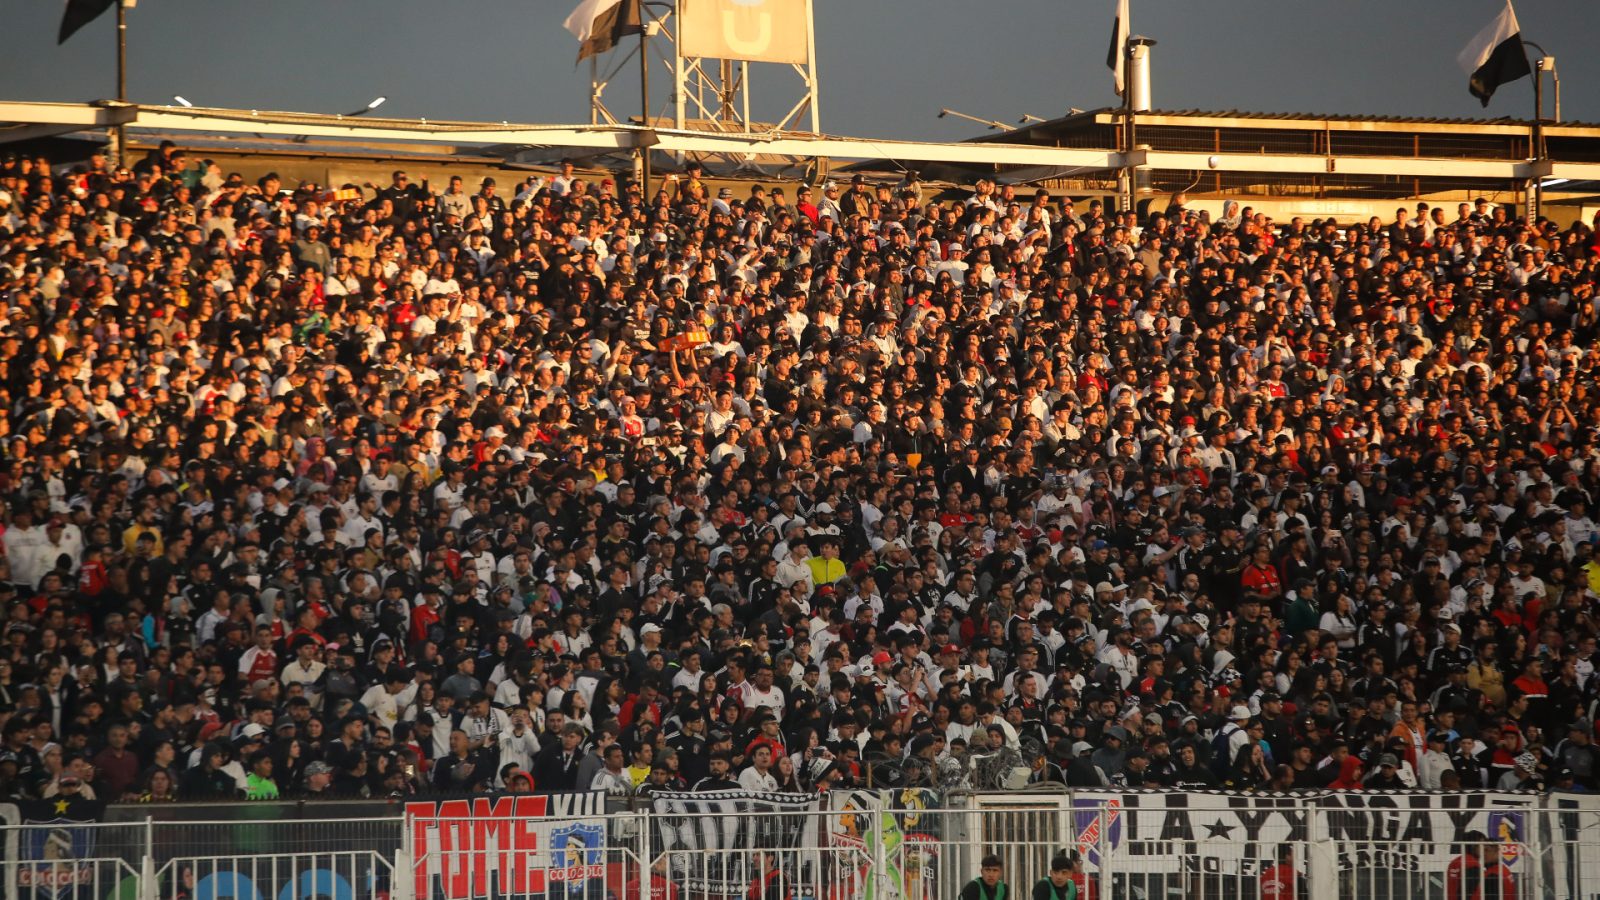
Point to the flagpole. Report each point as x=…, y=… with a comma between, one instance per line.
x=1535, y=186
x=117, y=135
x=644, y=101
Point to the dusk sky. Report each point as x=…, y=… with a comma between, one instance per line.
x=886, y=65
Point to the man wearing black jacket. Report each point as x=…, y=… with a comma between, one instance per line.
x=556, y=766
x=207, y=781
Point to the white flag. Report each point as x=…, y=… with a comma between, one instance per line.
x=581, y=22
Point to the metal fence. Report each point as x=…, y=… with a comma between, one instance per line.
x=888, y=846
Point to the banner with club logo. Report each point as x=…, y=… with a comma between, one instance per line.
x=511, y=844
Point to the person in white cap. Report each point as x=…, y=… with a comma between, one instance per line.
x=1231, y=737
x=829, y=206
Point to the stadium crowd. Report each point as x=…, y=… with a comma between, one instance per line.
x=565, y=485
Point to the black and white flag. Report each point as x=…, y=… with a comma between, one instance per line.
x=714, y=836
x=78, y=14
x=1495, y=56
x=1116, y=55
x=600, y=25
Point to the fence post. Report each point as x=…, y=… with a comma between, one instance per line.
x=647, y=865
x=1107, y=876
x=1536, y=838
x=402, y=884
x=880, y=855
x=1322, y=876
x=148, y=889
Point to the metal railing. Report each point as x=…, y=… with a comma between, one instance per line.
x=899, y=845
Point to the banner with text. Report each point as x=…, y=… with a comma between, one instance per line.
x=720, y=842
x=1385, y=845
x=774, y=31
x=513, y=844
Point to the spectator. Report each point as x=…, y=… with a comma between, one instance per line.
x=988, y=885
x=556, y=767
x=1058, y=885
x=259, y=784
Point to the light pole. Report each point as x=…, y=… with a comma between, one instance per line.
x=182, y=101
x=373, y=104
x=961, y=115
x=118, y=136
x=1545, y=63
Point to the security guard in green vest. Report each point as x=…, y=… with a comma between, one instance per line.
x=1058, y=885
x=987, y=886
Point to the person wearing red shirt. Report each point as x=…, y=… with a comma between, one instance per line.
x=1281, y=881
x=426, y=615
x=1478, y=874
x=260, y=661
x=660, y=887
x=807, y=208
x=1260, y=576
x=1531, y=682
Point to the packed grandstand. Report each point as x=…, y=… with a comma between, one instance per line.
x=570, y=484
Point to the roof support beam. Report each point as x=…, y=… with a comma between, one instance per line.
x=626, y=137
x=1549, y=168
x=29, y=132
x=602, y=137
x=1293, y=164
x=39, y=119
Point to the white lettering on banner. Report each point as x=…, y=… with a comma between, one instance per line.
x=772, y=31
x=690, y=826
x=1152, y=834
x=484, y=847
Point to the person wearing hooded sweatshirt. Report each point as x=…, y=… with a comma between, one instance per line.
x=1189, y=772
x=1111, y=758
x=1081, y=770
x=1349, y=775
x=1386, y=775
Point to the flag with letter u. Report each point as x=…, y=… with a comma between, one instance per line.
x=1495, y=56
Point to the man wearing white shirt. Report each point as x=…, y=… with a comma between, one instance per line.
x=793, y=573
x=518, y=743
x=365, y=519
x=483, y=723
x=758, y=776
x=761, y=694
x=381, y=701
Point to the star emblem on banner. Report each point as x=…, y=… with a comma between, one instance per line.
x=1219, y=829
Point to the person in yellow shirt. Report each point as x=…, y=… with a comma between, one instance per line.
x=146, y=524
x=826, y=567
x=1484, y=675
